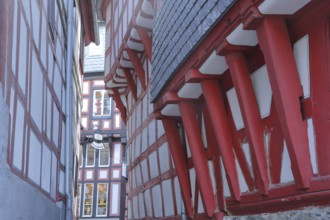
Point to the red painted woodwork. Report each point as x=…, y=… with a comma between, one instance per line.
x=213, y=97
x=287, y=91
x=193, y=133
x=137, y=66
x=212, y=145
x=130, y=82
x=320, y=90
x=275, y=147
x=180, y=161
x=251, y=115
x=119, y=104
x=146, y=41
x=87, y=20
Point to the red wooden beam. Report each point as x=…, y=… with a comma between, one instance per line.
x=213, y=97
x=287, y=91
x=212, y=145
x=276, y=146
x=137, y=66
x=319, y=62
x=251, y=115
x=146, y=41
x=180, y=161
x=119, y=104
x=193, y=133
x=130, y=82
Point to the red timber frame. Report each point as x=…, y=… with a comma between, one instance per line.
x=287, y=120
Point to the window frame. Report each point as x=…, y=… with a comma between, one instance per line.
x=100, y=150
x=106, y=200
x=86, y=161
x=102, y=103
x=92, y=198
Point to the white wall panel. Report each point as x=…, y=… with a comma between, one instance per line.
x=312, y=145
x=144, y=141
x=34, y=159
x=192, y=175
x=13, y=54
x=144, y=168
x=168, y=197
x=157, y=201
x=137, y=146
x=18, y=136
x=115, y=199
x=286, y=172
x=147, y=200
x=138, y=175
x=62, y=182
x=22, y=61
x=26, y=6
x=262, y=90
x=46, y=168
x=235, y=108
x=226, y=191
x=164, y=158
x=117, y=153
x=153, y=161
x=152, y=132
x=160, y=128
x=56, y=126
x=301, y=54
x=36, y=21
x=36, y=95
x=200, y=204
x=178, y=198
x=53, y=177
x=135, y=207
x=141, y=206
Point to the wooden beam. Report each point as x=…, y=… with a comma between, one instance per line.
x=194, y=138
x=287, y=91
x=137, y=66
x=130, y=82
x=180, y=161
x=213, y=97
x=119, y=103
x=146, y=41
x=251, y=116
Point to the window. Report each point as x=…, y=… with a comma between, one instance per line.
x=88, y=200
x=101, y=103
x=102, y=199
x=90, y=156
x=78, y=201
x=104, y=155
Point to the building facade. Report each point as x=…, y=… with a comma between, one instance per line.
x=102, y=173
x=102, y=177
x=33, y=165
x=240, y=91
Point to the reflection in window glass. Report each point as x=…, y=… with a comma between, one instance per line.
x=88, y=199
x=78, y=201
x=90, y=154
x=104, y=155
x=102, y=199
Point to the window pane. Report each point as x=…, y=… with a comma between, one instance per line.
x=88, y=199
x=104, y=155
x=102, y=199
x=97, y=103
x=107, y=105
x=90, y=156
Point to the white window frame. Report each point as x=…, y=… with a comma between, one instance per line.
x=106, y=202
x=102, y=103
x=83, y=211
x=86, y=161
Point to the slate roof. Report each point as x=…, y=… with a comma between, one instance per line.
x=178, y=29
x=94, y=55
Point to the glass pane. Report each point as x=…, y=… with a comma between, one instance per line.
x=88, y=199
x=90, y=156
x=104, y=156
x=81, y=158
x=102, y=199
x=97, y=103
